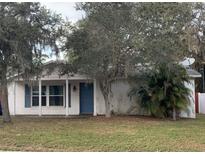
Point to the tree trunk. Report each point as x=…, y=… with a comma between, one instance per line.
x=104, y=86
x=174, y=114
x=4, y=97
x=107, y=107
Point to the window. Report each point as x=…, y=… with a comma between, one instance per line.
x=35, y=96
x=51, y=95
x=56, y=95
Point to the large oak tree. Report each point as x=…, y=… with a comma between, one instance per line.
x=26, y=29
x=100, y=44
x=115, y=38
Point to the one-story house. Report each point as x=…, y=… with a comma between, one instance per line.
x=54, y=94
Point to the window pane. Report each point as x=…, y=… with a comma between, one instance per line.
x=43, y=92
x=56, y=100
x=36, y=90
x=35, y=100
x=56, y=90
x=43, y=101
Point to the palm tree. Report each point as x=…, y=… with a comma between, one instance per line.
x=164, y=92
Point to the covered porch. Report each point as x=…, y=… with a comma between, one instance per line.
x=55, y=96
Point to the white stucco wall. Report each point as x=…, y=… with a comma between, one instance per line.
x=120, y=102
x=75, y=99
x=100, y=103
x=201, y=100
x=190, y=112
x=11, y=98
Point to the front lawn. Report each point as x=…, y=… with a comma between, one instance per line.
x=101, y=134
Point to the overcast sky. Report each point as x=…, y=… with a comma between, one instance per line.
x=66, y=9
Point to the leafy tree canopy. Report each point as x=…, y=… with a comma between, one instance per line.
x=26, y=29
x=101, y=43
x=115, y=38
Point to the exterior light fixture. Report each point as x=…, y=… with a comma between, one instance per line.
x=74, y=88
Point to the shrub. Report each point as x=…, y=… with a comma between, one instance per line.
x=164, y=92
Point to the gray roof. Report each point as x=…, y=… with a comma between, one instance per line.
x=193, y=73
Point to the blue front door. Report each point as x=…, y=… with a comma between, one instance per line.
x=86, y=98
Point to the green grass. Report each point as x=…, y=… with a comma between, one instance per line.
x=101, y=134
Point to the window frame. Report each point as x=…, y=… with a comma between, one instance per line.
x=38, y=96
x=63, y=95
x=47, y=96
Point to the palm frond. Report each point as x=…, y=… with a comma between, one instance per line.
x=164, y=89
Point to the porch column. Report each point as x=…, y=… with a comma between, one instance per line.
x=95, y=98
x=66, y=94
x=39, y=103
